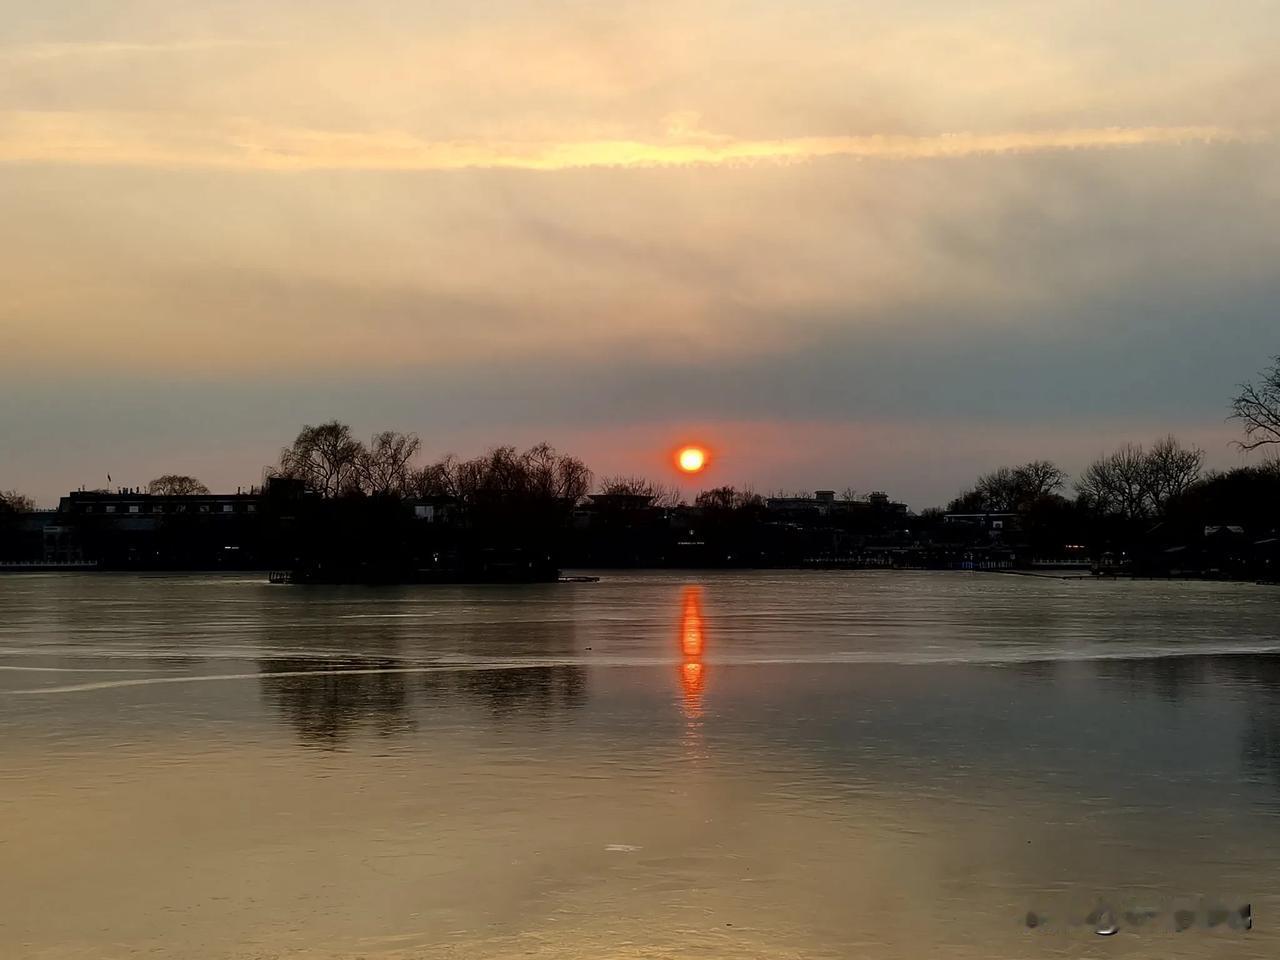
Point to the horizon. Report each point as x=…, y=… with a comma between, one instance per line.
x=842, y=245
x=687, y=484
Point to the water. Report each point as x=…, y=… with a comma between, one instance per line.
x=656, y=765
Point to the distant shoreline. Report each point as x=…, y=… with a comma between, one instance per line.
x=574, y=574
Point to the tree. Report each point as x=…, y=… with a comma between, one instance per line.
x=1249, y=495
x=325, y=458
x=554, y=475
x=1257, y=406
x=385, y=467
x=659, y=495
x=971, y=501
x=1171, y=470
x=438, y=479
x=176, y=485
x=1039, y=478
x=1117, y=484
x=1000, y=490
x=1011, y=489
x=504, y=475
x=1133, y=482
x=727, y=499
x=11, y=501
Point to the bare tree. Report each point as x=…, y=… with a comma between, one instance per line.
x=385, y=467
x=176, y=485
x=1000, y=490
x=1171, y=470
x=555, y=475
x=659, y=494
x=493, y=477
x=971, y=501
x=1257, y=406
x=1117, y=484
x=11, y=501
x=504, y=474
x=325, y=458
x=1011, y=489
x=1134, y=482
x=725, y=499
x=438, y=479
x=1039, y=478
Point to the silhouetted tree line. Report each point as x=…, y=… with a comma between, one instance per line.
x=1156, y=508
x=503, y=514
x=330, y=462
x=346, y=510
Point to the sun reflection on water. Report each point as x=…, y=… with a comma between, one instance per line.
x=693, y=675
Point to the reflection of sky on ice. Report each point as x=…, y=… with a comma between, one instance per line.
x=353, y=760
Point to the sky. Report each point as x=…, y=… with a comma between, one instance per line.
x=844, y=244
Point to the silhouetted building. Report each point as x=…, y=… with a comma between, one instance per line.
x=823, y=503
x=131, y=506
x=434, y=509
x=992, y=524
x=35, y=537
x=133, y=529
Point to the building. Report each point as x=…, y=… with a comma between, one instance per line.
x=34, y=537
x=131, y=529
x=823, y=503
x=992, y=524
x=820, y=504
x=144, y=509
x=434, y=509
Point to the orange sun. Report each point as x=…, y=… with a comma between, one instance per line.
x=691, y=459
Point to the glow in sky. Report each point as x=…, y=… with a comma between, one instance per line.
x=859, y=244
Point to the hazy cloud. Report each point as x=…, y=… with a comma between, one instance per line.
x=167, y=142
x=851, y=242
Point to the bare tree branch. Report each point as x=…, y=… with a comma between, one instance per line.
x=659, y=495
x=325, y=458
x=1010, y=489
x=385, y=466
x=1257, y=406
x=11, y=501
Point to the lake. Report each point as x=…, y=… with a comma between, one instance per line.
x=776, y=764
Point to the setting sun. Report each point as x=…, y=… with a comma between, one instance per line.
x=691, y=459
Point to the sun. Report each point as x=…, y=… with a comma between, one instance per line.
x=691, y=459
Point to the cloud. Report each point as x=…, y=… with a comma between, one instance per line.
x=91, y=49
x=1012, y=215
x=143, y=140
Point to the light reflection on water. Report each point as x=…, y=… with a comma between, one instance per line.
x=693, y=675
x=655, y=765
